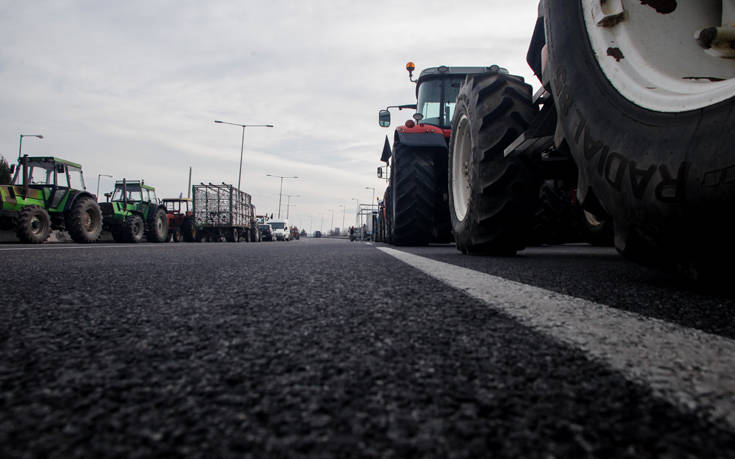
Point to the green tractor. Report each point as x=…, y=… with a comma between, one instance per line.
x=134, y=212
x=46, y=194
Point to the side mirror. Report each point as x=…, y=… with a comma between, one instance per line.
x=384, y=118
x=380, y=172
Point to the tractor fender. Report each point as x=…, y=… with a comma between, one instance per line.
x=425, y=140
x=76, y=195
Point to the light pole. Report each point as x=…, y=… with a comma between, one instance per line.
x=344, y=212
x=98, y=183
x=242, y=144
x=331, y=227
x=280, y=193
x=20, y=144
x=288, y=202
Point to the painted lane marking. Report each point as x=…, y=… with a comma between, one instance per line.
x=689, y=368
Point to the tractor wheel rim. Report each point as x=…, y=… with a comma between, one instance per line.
x=652, y=58
x=36, y=225
x=87, y=219
x=460, y=168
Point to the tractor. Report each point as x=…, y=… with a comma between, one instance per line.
x=48, y=193
x=416, y=199
x=180, y=216
x=133, y=211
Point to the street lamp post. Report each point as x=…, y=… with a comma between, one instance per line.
x=288, y=202
x=20, y=143
x=98, y=183
x=242, y=143
x=331, y=228
x=280, y=193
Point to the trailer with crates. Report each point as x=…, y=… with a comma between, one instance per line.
x=222, y=212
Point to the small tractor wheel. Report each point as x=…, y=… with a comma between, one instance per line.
x=33, y=225
x=133, y=229
x=189, y=230
x=84, y=220
x=157, y=230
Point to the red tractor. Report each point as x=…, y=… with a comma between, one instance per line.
x=180, y=220
x=416, y=200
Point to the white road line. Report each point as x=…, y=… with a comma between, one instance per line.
x=689, y=368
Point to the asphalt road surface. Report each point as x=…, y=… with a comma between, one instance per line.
x=328, y=348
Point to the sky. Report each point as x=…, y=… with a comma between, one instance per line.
x=131, y=89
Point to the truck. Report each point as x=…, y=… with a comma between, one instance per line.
x=48, y=193
x=635, y=107
x=222, y=212
x=133, y=212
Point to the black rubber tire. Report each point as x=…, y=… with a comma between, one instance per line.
x=176, y=235
x=503, y=192
x=414, y=196
x=84, y=220
x=598, y=231
x=133, y=229
x=388, y=199
x=664, y=178
x=189, y=230
x=33, y=225
x=157, y=228
x=232, y=235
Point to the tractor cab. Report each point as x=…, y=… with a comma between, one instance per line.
x=47, y=171
x=133, y=191
x=436, y=95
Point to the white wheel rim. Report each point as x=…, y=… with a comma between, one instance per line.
x=460, y=168
x=653, y=60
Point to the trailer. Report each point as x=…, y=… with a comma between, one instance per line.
x=222, y=212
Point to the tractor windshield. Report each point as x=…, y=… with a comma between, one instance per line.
x=134, y=194
x=436, y=100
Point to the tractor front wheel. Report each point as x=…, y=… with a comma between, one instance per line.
x=84, y=220
x=158, y=227
x=189, y=230
x=133, y=229
x=33, y=225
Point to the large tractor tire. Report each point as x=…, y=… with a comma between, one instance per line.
x=157, y=230
x=133, y=229
x=388, y=199
x=84, y=220
x=189, y=230
x=653, y=143
x=33, y=225
x=414, y=195
x=492, y=198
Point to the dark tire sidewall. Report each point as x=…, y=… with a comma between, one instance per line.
x=663, y=177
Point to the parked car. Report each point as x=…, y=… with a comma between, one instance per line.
x=317, y=234
x=266, y=232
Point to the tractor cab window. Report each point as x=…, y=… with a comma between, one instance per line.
x=75, y=178
x=436, y=100
x=132, y=194
x=151, y=195
x=41, y=174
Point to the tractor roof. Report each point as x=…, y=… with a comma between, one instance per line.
x=134, y=184
x=52, y=159
x=176, y=200
x=443, y=70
